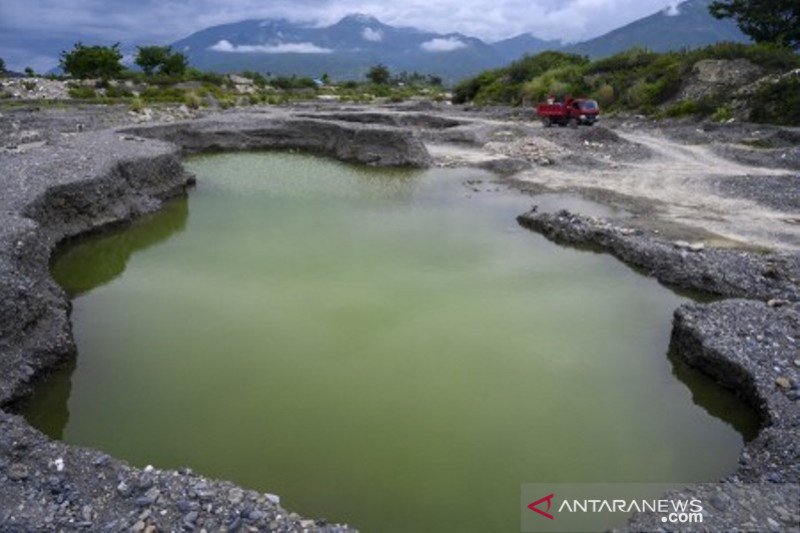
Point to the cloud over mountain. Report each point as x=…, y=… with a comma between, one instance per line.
x=443, y=45
x=224, y=45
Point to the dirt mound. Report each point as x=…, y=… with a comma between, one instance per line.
x=599, y=134
x=712, y=76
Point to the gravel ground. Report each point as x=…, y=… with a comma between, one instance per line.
x=48, y=486
x=777, y=192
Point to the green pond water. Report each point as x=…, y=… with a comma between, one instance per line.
x=383, y=348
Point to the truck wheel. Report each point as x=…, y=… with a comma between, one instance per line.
x=546, y=122
x=573, y=123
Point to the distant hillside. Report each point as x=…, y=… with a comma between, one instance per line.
x=688, y=25
x=344, y=50
x=516, y=47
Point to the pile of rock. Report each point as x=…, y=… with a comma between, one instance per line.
x=163, y=114
x=534, y=149
x=33, y=89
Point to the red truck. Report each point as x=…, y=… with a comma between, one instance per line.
x=569, y=112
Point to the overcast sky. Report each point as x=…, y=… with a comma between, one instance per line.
x=33, y=31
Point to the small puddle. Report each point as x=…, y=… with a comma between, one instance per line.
x=377, y=347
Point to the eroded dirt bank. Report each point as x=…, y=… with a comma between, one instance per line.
x=697, y=206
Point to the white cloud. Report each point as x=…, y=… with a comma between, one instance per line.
x=373, y=36
x=443, y=45
x=280, y=48
x=673, y=9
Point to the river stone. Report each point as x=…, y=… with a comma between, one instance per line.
x=17, y=472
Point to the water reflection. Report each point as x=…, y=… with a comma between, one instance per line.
x=84, y=265
x=48, y=409
x=89, y=263
x=715, y=399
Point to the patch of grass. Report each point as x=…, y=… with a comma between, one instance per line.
x=761, y=144
x=118, y=91
x=722, y=114
x=137, y=105
x=82, y=92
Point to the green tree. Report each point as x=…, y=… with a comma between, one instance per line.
x=149, y=58
x=174, y=65
x=766, y=21
x=29, y=72
x=436, y=81
x=92, y=61
x=2, y=67
x=379, y=75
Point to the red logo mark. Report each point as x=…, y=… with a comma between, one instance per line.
x=534, y=506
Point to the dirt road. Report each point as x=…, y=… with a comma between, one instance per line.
x=676, y=185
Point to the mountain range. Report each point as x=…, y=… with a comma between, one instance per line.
x=346, y=49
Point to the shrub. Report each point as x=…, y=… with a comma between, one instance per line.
x=722, y=114
x=210, y=78
x=82, y=92
x=227, y=102
x=628, y=60
x=562, y=81
x=293, y=82
x=778, y=103
x=529, y=67
x=467, y=90
x=682, y=109
x=605, y=95
x=192, y=100
x=137, y=105
x=118, y=91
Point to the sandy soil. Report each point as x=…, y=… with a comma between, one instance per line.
x=676, y=182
